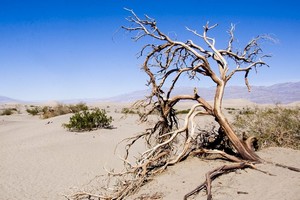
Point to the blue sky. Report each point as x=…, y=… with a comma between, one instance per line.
x=67, y=49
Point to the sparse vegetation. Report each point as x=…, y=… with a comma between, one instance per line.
x=8, y=111
x=129, y=111
x=247, y=111
x=178, y=112
x=60, y=109
x=78, y=107
x=230, y=108
x=279, y=126
x=88, y=121
x=34, y=110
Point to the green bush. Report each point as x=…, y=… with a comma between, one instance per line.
x=230, y=108
x=78, y=107
x=34, y=110
x=10, y=111
x=277, y=126
x=88, y=121
x=129, y=111
x=247, y=111
x=182, y=111
x=7, y=111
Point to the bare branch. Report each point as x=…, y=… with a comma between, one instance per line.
x=246, y=80
x=229, y=48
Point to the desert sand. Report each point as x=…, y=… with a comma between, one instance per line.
x=42, y=160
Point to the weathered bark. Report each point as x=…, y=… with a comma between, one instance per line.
x=210, y=176
x=243, y=150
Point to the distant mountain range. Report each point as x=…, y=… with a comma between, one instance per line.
x=278, y=93
x=4, y=99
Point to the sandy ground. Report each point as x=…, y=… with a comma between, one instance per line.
x=42, y=160
x=243, y=184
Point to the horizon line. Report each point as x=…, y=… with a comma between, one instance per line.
x=91, y=99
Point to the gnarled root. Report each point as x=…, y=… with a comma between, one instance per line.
x=239, y=164
x=210, y=176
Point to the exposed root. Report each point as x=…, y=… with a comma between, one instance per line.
x=222, y=153
x=250, y=142
x=210, y=176
x=240, y=164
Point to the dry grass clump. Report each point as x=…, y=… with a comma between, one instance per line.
x=60, y=109
x=78, y=107
x=33, y=110
x=135, y=109
x=186, y=111
x=9, y=111
x=129, y=111
x=53, y=111
x=278, y=126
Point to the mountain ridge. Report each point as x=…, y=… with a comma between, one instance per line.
x=278, y=93
x=285, y=93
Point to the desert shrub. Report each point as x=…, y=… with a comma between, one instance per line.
x=89, y=120
x=277, y=126
x=247, y=111
x=57, y=110
x=7, y=111
x=10, y=111
x=182, y=111
x=62, y=109
x=78, y=107
x=229, y=108
x=129, y=111
x=34, y=110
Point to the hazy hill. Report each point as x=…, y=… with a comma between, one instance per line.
x=278, y=93
x=4, y=99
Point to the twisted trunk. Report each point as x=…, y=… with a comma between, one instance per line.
x=244, y=150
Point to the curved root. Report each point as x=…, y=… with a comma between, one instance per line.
x=210, y=176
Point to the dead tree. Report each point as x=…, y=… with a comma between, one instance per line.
x=166, y=61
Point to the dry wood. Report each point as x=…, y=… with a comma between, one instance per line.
x=165, y=62
x=210, y=176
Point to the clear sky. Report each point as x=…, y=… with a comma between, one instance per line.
x=69, y=49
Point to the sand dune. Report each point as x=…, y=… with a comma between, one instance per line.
x=42, y=160
x=243, y=184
